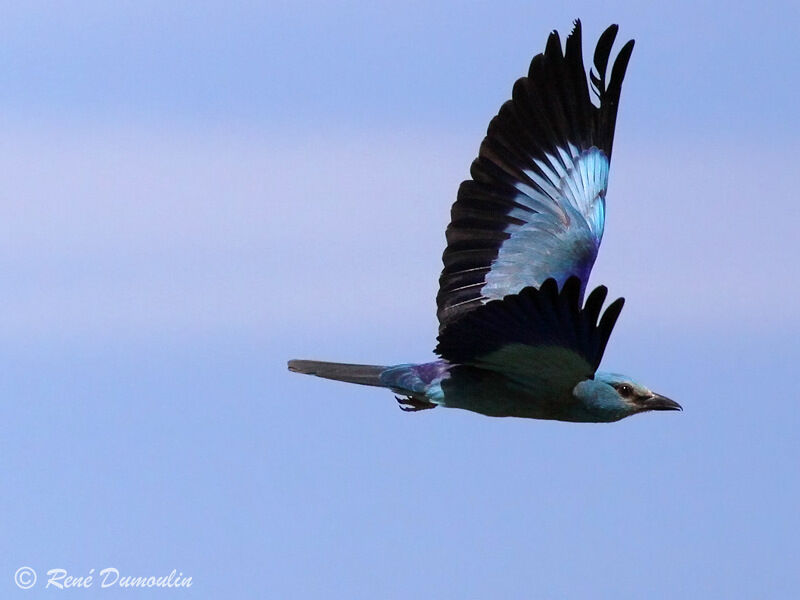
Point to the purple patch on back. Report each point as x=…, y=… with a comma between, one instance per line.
x=433, y=371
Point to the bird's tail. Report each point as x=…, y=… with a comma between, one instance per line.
x=360, y=374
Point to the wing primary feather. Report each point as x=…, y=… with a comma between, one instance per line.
x=608, y=117
x=602, y=53
x=606, y=325
x=594, y=304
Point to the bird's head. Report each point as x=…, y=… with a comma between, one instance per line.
x=611, y=397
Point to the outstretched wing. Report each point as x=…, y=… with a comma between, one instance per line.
x=535, y=206
x=541, y=333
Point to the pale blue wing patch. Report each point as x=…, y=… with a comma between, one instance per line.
x=562, y=211
x=579, y=179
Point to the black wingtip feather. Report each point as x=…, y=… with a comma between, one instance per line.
x=610, y=316
x=607, y=322
x=619, y=68
x=602, y=51
x=594, y=303
x=553, y=48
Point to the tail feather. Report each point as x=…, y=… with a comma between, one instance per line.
x=360, y=374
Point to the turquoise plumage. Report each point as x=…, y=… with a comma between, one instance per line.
x=516, y=337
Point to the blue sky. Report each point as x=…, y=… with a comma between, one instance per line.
x=192, y=194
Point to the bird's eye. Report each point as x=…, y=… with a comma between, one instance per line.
x=625, y=390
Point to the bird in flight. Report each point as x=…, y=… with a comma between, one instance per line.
x=516, y=337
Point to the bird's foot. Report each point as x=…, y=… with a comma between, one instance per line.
x=411, y=404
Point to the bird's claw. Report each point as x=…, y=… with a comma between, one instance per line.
x=411, y=404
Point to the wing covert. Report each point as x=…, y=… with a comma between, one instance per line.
x=535, y=206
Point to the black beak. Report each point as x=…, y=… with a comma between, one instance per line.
x=658, y=402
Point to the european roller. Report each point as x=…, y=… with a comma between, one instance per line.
x=517, y=338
